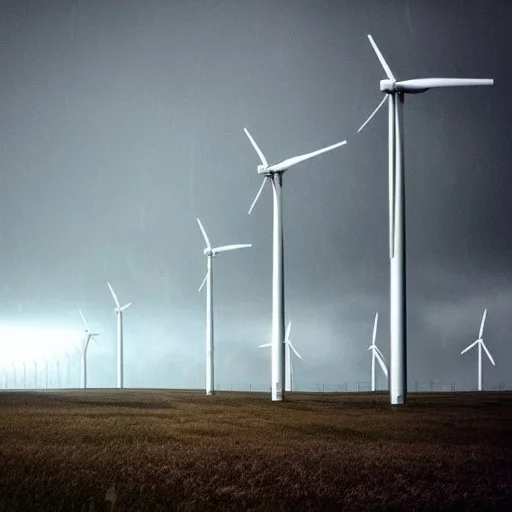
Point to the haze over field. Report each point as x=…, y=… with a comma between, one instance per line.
x=120, y=125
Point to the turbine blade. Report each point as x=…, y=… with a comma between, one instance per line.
x=289, y=162
x=225, y=248
x=266, y=345
x=114, y=296
x=470, y=346
x=488, y=354
x=257, y=195
x=287, y=334
x=205, y=236
x=482, y=324
x=379, y=352
x=202, y=284
x=294, y=351
x=421, y=84
x=257, y=148
x=126, y=306
x=382, y=364
x=381, y=58
x=375, y=328
x=83, y=320
x=94, y=339
x=374, y=112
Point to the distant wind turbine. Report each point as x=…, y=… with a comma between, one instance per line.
x=119, y=311
x=376, y=353
x=83, y=351
x=289, y=382
x=481, y=344
x=274, y=174
x=395, y=94
x=210, y=252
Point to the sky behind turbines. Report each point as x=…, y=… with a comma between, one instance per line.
x=122, y=124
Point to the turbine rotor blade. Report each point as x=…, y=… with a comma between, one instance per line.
x=470, y=346
x=114, y=296
x=202, y=284
x=266, y=345
x=257, y=195
x=382, y=364
x=381, y=58
x=375, y=328
x=234, y=247
x=290, y=162
x=287, y=334
x=379, y=352
x=488, y=354
x=482, y=324
x=422, y=84
x=205, y=236
x=257, y=148
x=83, y=320
x=294, y=351
x=126, y=306
x=386, y=97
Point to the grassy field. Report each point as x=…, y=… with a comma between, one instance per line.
x=163, y=450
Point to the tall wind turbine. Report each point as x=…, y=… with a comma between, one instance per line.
x=376, y=353
x=481, y=344
x=119, y=310
x=83, y=352
x=395, y=94
x=274, y=174
x=210, y=252
x=288, y=360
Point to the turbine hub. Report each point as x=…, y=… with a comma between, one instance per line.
x=262, y=169
x=387, y=86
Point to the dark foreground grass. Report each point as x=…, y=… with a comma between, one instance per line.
x=161, y=450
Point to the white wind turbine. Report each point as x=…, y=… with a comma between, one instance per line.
x=83, y=351
x=210, y=252
x=395, y=91
x=481, y=344
x=119, y=310
x=288, y=360
x=376, y=353
x=274, y=173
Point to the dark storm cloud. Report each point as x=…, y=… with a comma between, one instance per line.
x=121, y=124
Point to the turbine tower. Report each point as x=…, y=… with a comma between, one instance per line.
x=289, y=383
x=376, y=353
x=274, y=174
x=481, y=344
x=83, y=352
x=119, y=311
x=395, y=94
x=210, y=252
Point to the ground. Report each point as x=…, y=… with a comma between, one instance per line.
x=136, y=450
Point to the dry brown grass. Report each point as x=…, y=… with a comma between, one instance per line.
x=161, y=450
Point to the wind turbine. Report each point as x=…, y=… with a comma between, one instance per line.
x=274, y=174
x=288, y=361
x=83, y=352
x=210, y=252
x=481, y=344
x=395, y=91
x=376, y=353
x=119, y=310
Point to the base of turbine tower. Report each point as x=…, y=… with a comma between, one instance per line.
x=398, y=400
x=278, y=395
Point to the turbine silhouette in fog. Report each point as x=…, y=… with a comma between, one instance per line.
x=481, y=344
x=119, y=311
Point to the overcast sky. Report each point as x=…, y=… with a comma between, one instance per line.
x=121, y=122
